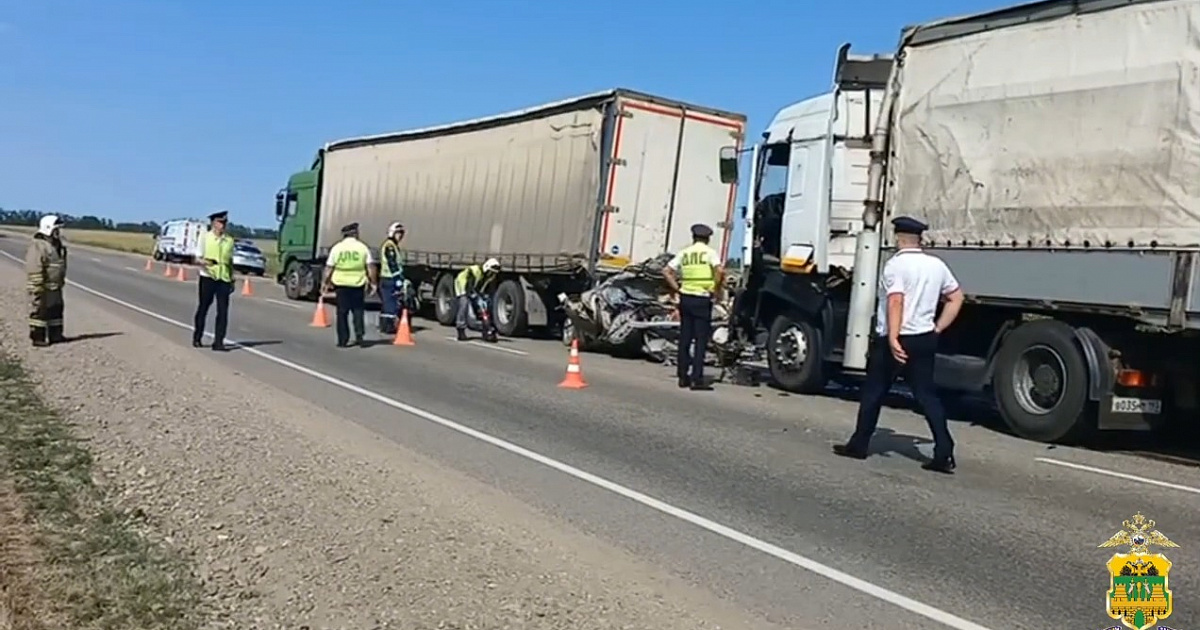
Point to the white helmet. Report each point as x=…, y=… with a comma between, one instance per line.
x=48, y=224
x=491, y=265
x=395, y=227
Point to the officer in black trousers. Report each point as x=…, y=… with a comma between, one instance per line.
x=912, y=285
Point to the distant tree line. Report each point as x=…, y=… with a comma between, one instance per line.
x=89, y=222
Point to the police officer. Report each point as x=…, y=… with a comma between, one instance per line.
x=45, y=275
x=907, y=326
x=471, y=286
x=350, y=274
x=391, y=279
x=695, y=275
x=214, y=256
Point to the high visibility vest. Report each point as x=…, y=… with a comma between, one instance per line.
x=218, y=249
x=696, y=270
x=385, y=267
x=349, y=257
x=461, y=280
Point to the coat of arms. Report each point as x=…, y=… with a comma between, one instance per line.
x=1139, y=596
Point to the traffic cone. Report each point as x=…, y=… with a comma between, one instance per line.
x=182, y=277
x=149, y=264
x=247, y=290
x=574, y=378
x=167, y=271
x=404, y=335
x=320, y=319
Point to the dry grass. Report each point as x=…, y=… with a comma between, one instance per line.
x=68, y=558
x=134, y=242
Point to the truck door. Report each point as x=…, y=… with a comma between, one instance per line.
x=641, y=182
x=805, y=209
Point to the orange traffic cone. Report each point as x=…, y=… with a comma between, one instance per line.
x=320, y=319
x=247, y=290
x=404, y=335
x=574, y=378
x=182, y=277
x=149, y=264
x=167, y=271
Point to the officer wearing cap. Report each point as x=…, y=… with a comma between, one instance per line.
x=214, y=256
x=694, y=275
x=907, y=325
x=350, y=274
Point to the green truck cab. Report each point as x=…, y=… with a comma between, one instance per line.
x=296, y=211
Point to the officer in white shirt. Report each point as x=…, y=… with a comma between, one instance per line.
x=912, y=285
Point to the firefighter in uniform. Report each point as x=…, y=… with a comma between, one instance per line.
x=471, y=287
x=350, y=274
x=391, y=279
x=46, y=272
x=214, y=255
x=695, y=275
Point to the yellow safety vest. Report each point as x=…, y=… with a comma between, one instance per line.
x=349, y=257
x=482, y=280
x=219, y=249
x=696, y=274
x=385, y=270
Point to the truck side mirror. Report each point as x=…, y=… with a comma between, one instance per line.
x=279, y=204
x=729, y=165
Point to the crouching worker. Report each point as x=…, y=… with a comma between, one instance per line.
x=46, y=273
x=470, y=290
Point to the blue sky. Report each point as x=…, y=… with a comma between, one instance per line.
x=149, y=109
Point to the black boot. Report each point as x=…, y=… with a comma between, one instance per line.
x=55, y=334
x=462, y=335
x=37, y=335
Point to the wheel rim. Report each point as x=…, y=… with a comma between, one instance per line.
x=791, y=349
x=1040, y=380
x=293, y=282
x=504, y=309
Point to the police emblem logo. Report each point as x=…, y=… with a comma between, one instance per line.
x=1139, y=596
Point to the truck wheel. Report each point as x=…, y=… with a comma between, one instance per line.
x=158, y=255
x=292, y=280
x=443, y=300
x=1041, y=383
x=508, y=305
x=794, y=355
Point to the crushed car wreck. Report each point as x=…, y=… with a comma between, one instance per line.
x=632, y=313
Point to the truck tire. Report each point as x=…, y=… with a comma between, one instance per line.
x=795, y=357
x=292, y=279
x=443, y=300
x=508, y=306
x=1041, y=383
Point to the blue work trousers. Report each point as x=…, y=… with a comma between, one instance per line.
x=389, y=306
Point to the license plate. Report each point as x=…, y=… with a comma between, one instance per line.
x=1146, y=406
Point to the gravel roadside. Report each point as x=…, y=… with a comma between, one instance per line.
x=296, y=518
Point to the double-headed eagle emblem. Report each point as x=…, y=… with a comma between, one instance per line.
x=1136, y=536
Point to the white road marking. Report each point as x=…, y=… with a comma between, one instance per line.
x=94, y=259
x=282, y=303
x=1119, y=475
x=867, y=588
x=132, y=269
x=480, y=344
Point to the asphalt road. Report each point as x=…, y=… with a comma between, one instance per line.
x=735, y=490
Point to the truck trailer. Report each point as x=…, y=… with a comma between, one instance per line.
x=1053, y=149
x=563, y=195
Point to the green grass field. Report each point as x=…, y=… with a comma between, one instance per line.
x=135, y=243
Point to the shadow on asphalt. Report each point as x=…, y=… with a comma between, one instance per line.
x=86, y=336
x=255, y=344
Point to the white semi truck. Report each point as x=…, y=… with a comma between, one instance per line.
x=1054, y=150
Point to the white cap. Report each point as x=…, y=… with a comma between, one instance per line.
x=491, y=264
x=49, y=223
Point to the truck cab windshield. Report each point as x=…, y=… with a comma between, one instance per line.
x=771, y=193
